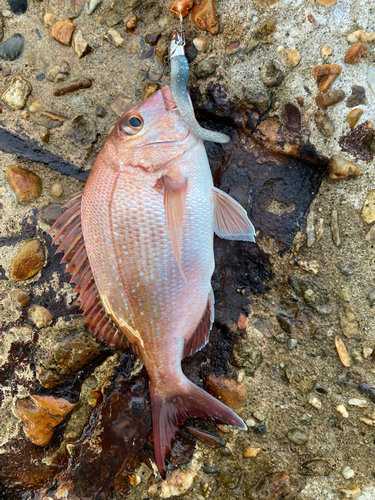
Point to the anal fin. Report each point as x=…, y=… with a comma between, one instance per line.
x=202, y=333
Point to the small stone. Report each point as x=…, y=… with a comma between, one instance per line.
x=276, y=485
x=205, y=68
x=358, y=97
x=152, y=39
x=204, y=16
x=297, y=436
x=28, y=262
x=40, y=415
x=228, y=391
x=371, y=297
x=361, y=36
x=62, y=31
x=326, y=52
x=251, y=45
x=176, y=483
x=314, y=467
x=347, y=472
x=367, y=352
x=74, y=8
x=25, y=114
x=351, y=492
x=250, y=422
x=292, y=117
x=260, y=429
x=325, y=75
x=40, y=316
x=251, y=452
x=57, y=189
x=271, y=74
x=182, y=7
x=368, y=209
x=314, y=401
x=51, y=213
x=355, y=53
x=330, y=98
x=149, y=89
x=81, y=131
x=242, y=322
x=21, y=297
x=91, y=5
x=346, y=271
x=340, y=168
x=44, y=135
x=17, y=92
x=310, y=229
x=313, y=293
x=266, y=33
x=72, y=86
x=291, y=344
x=49, y=20
x=114, y=37
x=342, y=352
x=311, y=266
x=26, y=185
x=8, y=14
x=59, y=73
x=161, y=49
x=81, y=47
x=306, y=418
x=116, y=12
x=131, y=23
x=291, y=57
x=232, y=48
x=258, y=99
x=335, y=229
x=354, y=116
x=199, y=43
x=341, y=409
x=349, y=323
x=1, y=27
x=360, y=402
x=6, y=71
x=259, y=415
x=18, y=6
x=326, y=2
x=371, y=78
x=35, y=106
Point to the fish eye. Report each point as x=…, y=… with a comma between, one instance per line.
x=131, y=124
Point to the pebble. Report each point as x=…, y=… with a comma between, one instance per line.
x=358, y=97
x=40, y=316
x=35, y=106
x=114, y=37
x=354, y=116
x=72, y=86
x=59, y=73
x=342, y=352
x=314, y=467
x=349, y=323
x=351, y=492
x=260, y=429
x=81, y=131
x=182, y=7
x=62, y=31
x=176, y=483
x=116, y=12
x=313, y=293
x=40, y=415
x=204, y=16
x=74, y=8
x=251, y=452
x=199, y=43
x=28, y=262
x=297, y=436
x=232, y=48
x=228, y=391
x=346, y=271
x=360, y=402
x=50, y=120
x=291, y=57
x=347, y=472
x=1, y=27
x=355, y=53
x=161, y=49
x=17, y=92
x=149, y=89
x=275, y=486
x=91, y=5
x=361, y=36
x=12, y=49
x=81, y=47
x=51, y=213
x=309, y=266
x=325, y=75
x=121, y=104
x=341, y=409
x=292, y=117
x=21, y=297
x=326, y=2
x=131, y=23
x=250, y=422
x=152, y=39
x=251, y=45
x=341, y=168
x=371, y=297
x=371, y=78
x=310, y=226
x=291, y=344
x=26, y=185
x=368, y=209
x=44, y=134
x=205, y=68
x=335, y=229
x=314, y=401
x=6, y=71
x=330, y=98
x=367, y=352
x=326, y=52
x=57, y=189
x=49, y=20
x=258, y=99
x=271, y=74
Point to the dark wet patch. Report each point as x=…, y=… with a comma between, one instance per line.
x=360, y=142
x=18, y=6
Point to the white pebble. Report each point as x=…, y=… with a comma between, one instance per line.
x=255, y=19
x=314, y=401
x=361, y=402
x=367, y=351
x=347, y=472
x=7, y=13
x=250, y=422
x=341, y=409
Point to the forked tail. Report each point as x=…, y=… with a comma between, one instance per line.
x=170, y=411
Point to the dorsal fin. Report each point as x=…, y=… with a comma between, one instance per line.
x=70, y=239
x=202, y=333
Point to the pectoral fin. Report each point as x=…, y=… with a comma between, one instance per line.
x=174, y=205
x=230, y=219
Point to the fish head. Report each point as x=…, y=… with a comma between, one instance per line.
x=150, y=136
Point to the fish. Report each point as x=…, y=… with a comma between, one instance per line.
x=138, y=242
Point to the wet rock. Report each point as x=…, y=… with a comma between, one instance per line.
x=205, y=68
x=258, y=100
x=361, y=36
x=57, y=189
x=26, y=185
x=40, y=415
x=251, y=452
x=152, y=39
x=368, y=209
x=292, y=117
x=74, y=8
x=371, y=78
x=335, y=230
x=304, y=382
x=276, y=486
x=325, y=75
x=67, y=358
x=228, y=391
x=358, y=97
x=349, y=322
x=72, y=86
x=81, y=47
x=324, y=123
x=51, y=213
x=245, y=356
x=91, y=5
x=176, y=484
x=355, y=53
x=327, y=99
x=20, y=297
x=50, y=121
x=354, y=116
x=271, y=74
x=35, y=106
x=17, y=92
x=199, y=43
x=313, y=293
x=342, y=352
x=28, y=262
x=62, y=31
x=208, y=438
x=204, y=16
x=116, y=12
x=81, y=131
x=40, y=316
x=131, y=23
x=59, y=73
x=113, y=37
x=149, y=89
x=314, y=467
x=340, y=168
x=351, y=491
x=18, y=6
x=297, y=436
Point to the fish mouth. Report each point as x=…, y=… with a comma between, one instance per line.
x=166, y=142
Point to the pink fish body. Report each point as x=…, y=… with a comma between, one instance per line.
x=148, y=215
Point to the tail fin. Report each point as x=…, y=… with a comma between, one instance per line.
x=170, y=411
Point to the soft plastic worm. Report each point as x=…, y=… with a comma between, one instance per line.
x=179, y=78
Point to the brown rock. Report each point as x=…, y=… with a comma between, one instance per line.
x=28, y=262
x=228, y=391
x=251, y=452
x=26, y=185
x=6, y=71
x=62, y=31
x=361, y=36
x=292, y=117
x=49, y=120
x=72, y=86
x=51, y=213
x=232, y=48
x=312, y=20
x=49, y=20
x=355, y=53
x=40, y=316
x=329, y=98
x=324, y=123
x=182, y=7
x=40, y=415
x=291, y=56
x=349, y=322
x=266, y=33
x=204, y=16
x=74, y=8
x=325, y=75
x=149, y=89
x=357, y=97
x=132, y=23
x=342, y=352
x=21, y=297
x=121, y=104
x=81, y=47
x=266, y=3
x=276, y=486
x=326, y=52
x=340, y=168
x=353, y=116
x=57, y=189
x=44, y=134
x=271, y=74
x=242, y=321
x=326, y=2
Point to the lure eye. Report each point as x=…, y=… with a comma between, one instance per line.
x=131, y=124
